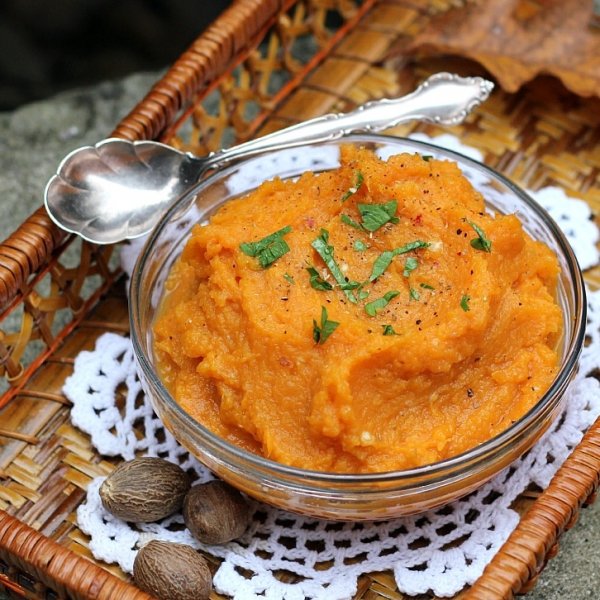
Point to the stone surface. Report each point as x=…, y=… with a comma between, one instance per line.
x=34, y=138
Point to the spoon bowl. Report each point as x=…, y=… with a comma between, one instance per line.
x=118, y=189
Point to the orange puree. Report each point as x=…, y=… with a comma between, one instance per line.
x=470, y=329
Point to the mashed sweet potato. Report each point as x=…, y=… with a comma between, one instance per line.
x=369, y=319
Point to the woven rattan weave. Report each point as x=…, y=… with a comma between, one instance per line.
x=248, y=63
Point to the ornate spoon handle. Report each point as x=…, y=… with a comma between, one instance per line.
x=118, y=189
x=443, y=98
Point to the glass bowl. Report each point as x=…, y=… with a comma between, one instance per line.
x=347, y=496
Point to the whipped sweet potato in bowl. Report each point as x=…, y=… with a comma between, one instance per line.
x=357, y=330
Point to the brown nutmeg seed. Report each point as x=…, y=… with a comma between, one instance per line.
x=216, y=513
x=144, y=489
x=170, y=571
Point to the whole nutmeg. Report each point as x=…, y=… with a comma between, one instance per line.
x=215, y=513
x=144, y=489
x=171, y=571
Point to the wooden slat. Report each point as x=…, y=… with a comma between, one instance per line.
x=306, y=104
x=337, y=75
x=365, y=45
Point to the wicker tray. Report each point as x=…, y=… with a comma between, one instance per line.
x=53, y=306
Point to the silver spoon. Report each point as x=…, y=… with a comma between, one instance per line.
x=118, y=189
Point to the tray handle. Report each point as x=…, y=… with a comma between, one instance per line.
x=207, y=58
x=55, y=566
x=523, y=556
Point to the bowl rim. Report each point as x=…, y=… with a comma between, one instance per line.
x=465, y=459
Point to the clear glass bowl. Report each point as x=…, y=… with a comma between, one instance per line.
x=331, y=495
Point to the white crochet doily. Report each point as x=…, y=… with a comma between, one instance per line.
x=440, y=551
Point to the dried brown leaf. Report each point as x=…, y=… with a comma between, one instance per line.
x=516, y=40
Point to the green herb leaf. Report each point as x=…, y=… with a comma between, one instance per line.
x=268, y=249
x=426, y=157
x=349, y=221
x=481, y=242
x=325, y=329
x=464, y=303
x=414, y=295
x=317, y=282
x=409, y=266
x=359, y=246
x=372, y=308
x=375, y=216
x=289, y=278
x=383, y=261
x=426, y=286
x=363, y=294
x=325, y=251
x=358, y=181
x=389, y=330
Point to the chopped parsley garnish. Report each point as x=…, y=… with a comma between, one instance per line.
x=359, y=246
x=414, y=295
x=464, y=303
x=349, y=221
x=358, y=181
x=372, y=308
x=325, y=251
x=426, y=157
x=409, y=266
x=389, y=330
x=363, y=294
x=269, y=249
x=375, y=216
x=289, y=278
x=481, y=242
x=323, y=331
x=426, y=286
x=317, y=282
x=384, y=260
